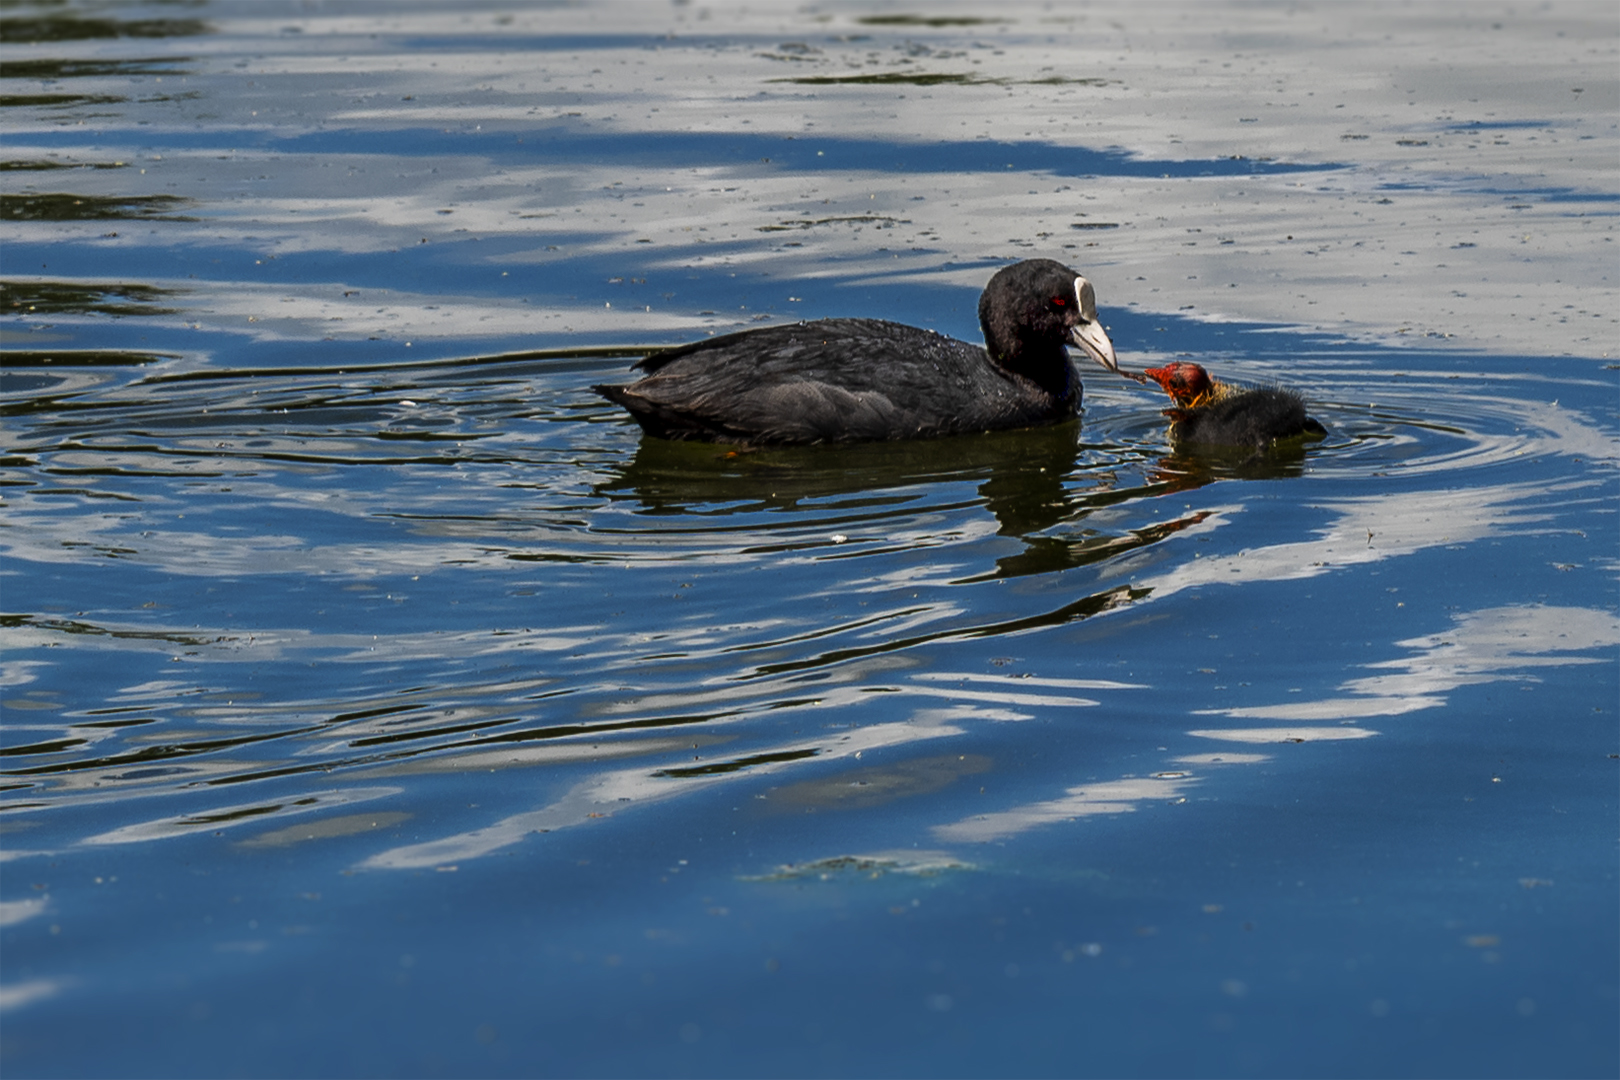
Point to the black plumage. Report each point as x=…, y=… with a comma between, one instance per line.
x=853, y=380
x=1216, y=414
x=1250, y=418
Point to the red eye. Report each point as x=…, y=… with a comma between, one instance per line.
x=1058, y=301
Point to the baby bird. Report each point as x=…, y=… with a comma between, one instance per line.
x=1214, y=414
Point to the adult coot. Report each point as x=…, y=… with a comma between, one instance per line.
x=855, y=380
x=1216, y=414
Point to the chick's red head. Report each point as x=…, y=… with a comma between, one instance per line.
x=1184, y=382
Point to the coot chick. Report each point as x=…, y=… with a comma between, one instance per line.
x=860, y=380
x=1216, y=414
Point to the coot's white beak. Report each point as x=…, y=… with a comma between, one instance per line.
x=1088, y=332
x=1090, y=337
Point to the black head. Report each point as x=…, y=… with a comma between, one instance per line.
x=1031, y=310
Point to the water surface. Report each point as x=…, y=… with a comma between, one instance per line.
x=379, y=701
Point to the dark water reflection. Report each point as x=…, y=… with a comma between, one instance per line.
x=1030, y=482
x=77, y=298
x=26, y=28
x=50, y=68
x=62, y=206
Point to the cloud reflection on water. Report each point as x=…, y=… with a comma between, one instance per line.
x=630, y=789
x=554, y=160
x=17, y=994
x=1479, y=649
x=1490, y=645
x=1108, y=797
x=1372, y=529
x=1484, y=646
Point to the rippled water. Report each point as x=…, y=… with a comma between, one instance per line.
x=378, y=700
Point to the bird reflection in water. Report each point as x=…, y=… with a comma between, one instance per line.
x=1039, y=485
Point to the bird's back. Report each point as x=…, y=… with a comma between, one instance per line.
x=833, y=380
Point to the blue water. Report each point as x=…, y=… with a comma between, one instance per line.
x=386, y=709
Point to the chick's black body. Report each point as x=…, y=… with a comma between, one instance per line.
x=850, y=380
x=1255, y=419
x=1219, y=415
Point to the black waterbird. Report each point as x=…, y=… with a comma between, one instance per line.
x=862, y=380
